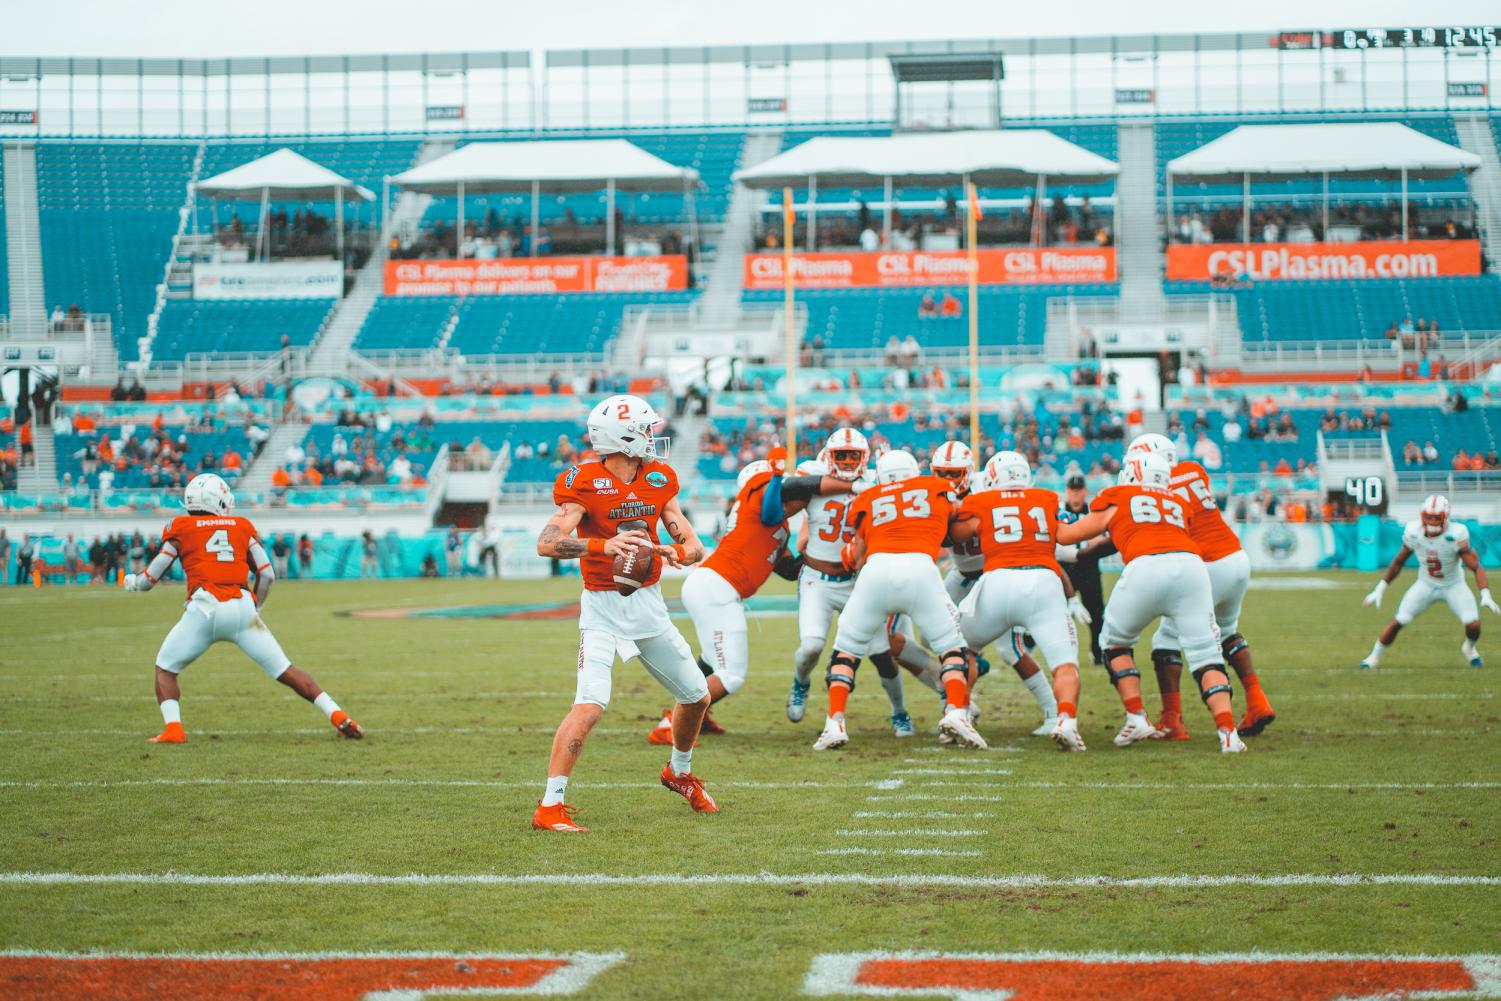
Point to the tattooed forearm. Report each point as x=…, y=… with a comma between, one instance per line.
x=554, y=544
x=676, y=529
x=570, y=548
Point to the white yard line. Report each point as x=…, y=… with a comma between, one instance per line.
x=956, y=770
x=1018, y=881
x=902, y=852
x=924, y=832
x=907, y=815
x=73, y=784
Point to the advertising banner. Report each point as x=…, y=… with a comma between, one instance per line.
x=516, y=275
x=1199, y=262
x=997, y=266
x=270, y=280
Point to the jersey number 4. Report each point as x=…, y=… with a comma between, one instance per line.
x=221, y=547
x=1147, y=509
x=914, y=504
x=1007, y=523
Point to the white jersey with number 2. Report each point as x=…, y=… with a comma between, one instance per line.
x=1438, y=555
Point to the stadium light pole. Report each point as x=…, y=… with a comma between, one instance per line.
x=458, y=236
x=790, y=347
x=973, y=214
x=1404, y=204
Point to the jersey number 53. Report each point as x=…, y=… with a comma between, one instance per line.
x=907, y=504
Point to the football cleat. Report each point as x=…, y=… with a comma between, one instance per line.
x=901, y=725
x=691, y=788
x=709, y=726
x=1368, y=663
x=1049, y=724
x=345, y=724
x=1257, y=719
x=833, y=736
x=1066, y=734
x=1137, y=727
x=1471, y=654
x=797, y=701
x=957, y=724
x=173, y=733
x=1170, y=726
x=662, y=732
x=558, y=817
x=974, y=708
x=1230, y=742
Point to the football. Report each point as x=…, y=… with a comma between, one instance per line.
x=635, y=568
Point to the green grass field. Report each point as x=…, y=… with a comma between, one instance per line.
x=1390, y=773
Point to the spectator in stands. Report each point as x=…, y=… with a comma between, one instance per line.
x=281, y=554
x=55, y=322
x=478, y=455
x=1461, y=460
x=928, y=307
x=295, y=454
x=893, y=350
x=453, y=549
x=369, y=556
x=1231, y=430
x=911, y=351
x=28, y=449
x=1492, y=462
x=1425, y=367
x=1207, y=452
x=304, y=556
x=950, y=307
x=25, y=553
x=870, y=241
x=137, y=553
x=1412, y=455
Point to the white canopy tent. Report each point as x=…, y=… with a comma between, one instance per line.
x=283, y=175
x=1388, y=150
x=993, y=158
x=556, y=166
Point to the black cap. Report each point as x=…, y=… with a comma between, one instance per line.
x=1074, y=481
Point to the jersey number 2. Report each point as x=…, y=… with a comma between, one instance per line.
x=221, y=547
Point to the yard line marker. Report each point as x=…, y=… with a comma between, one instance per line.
x=956, y=770
x=1243, y=786
x=904, y=814
x=962, y=798
x=925, y=832
x=1016, y=881
x=399, y=783
x=889, y=784
x=904, y=852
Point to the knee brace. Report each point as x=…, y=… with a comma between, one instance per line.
x=1111, y=654
x=1233, y=644
x=842, y=659
x=1167, y=658
x=954, y=660
x=1223, y=686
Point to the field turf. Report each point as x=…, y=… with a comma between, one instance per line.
x=1389, y=775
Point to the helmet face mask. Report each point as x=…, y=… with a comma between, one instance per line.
x=1434, y=514
x=954, y=462
x=846, y=454
x=207, y=493
x=622, y=425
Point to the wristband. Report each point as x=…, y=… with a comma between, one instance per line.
x=682, y=552
x=595, y=547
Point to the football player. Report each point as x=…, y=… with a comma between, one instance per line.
x=1022, y=586
x=1441, y=547
x=221, y=553
x=628, y=482
x=900, y=526
x=1229, y=575
x=825, y=583
x=754, y=545
x=1164, y=576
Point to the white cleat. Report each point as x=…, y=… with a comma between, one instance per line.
x=1471, y=654
x=956, y=724
x=1369, y=664
x=1137, y=727
x=1230, y=742
x=1049, y=724
x=1066, y=734
x=833, y=736
x=974, y=709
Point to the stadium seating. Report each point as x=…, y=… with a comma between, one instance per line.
x=4, y=260
x=364, y=161
x=1010, y=315
x=108, y=212
x=505, y=324
x=421, y=444
x=201, y=326
x=70, y=446
x=1359, y=309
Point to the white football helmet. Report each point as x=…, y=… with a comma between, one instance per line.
x=846, y=454
x=954, y=462
x=895, y=466
x=209, y=494
x=812, y=467
x=623, y=424
x=1434, y=514
x=1008, y=471
x=1158, y=444
x=1149, y=469
x=750, y=470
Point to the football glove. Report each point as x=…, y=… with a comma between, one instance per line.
x=1373, y=600
x=1077, y=610
x=1487, y=602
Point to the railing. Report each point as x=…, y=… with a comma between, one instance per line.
x=1450, y=482
x=1366, y=448
x=1472, y=347
x=244, y=366
x=957, y=357
x=148, y=500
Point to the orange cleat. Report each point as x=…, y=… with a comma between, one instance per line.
x=1170, y=727
x=345, y=724
x=173, y=734
x=662, y=732
x=711, y=727
x=558, y=817
x=1258, y=718
x=691, y=788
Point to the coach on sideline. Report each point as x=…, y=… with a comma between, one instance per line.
x=1082, y=562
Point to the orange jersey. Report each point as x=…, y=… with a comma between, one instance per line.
x=749, y=550
x=214, y=551
x=909, y=516
x=607, y=502
x=1147, y=520
x=1206, y=525
x=1017, y=527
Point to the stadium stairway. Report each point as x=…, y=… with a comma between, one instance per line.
x=1476, y=136
x=28, y=299
x=41, y=478
x=721, y=300
x=257, y=476
x=1139, y=255
x=687, y=431
x=331, y=354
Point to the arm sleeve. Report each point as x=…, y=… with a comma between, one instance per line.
x=773, y=511
x=160, y=564
x=796, y=488
x=265, y=574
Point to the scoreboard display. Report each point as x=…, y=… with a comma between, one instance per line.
x=1365, y=494
x=1474, y=37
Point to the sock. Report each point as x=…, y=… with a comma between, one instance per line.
x=557, y=785
x=171, y=712
x=1172, y=702
x=956, y=690
x=1225, y=721
x=915, y=657
x=682, y=761
x=1255, y=697
x=839, y=694
x=929, y=677
x=1068, y=709
x=327, y=704
x=893, y=686
x=1042, y=691
x=802, y=667
x=1377, y=651
x=1133, y=705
